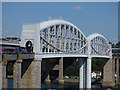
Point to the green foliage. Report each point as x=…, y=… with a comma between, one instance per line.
x=72, y=70
x=10, y=68
x=97, y=64
x=43, y=65
x=117, y=45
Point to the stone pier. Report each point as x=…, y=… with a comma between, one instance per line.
x=61, y=81
x=117, y=71
x=113, y=69
x=107, y=74
x=4, y=63
x=17, y=72
x=32, y=76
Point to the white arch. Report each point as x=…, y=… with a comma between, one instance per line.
x=49, y=23
x=92, y=36
x=99, y=45
x=32, y=33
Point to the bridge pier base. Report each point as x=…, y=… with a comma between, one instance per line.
x=17, y=72
x=108, y=75
x=47, y=80
x=4, y=63
x=32, y=76
x=61, y=81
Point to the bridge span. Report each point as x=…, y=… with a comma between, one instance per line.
x=59, y=38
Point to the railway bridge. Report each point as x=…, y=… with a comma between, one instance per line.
x=60, y=39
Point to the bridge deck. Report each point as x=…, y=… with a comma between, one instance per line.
x=11, y=57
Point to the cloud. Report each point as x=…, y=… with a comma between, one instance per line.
x=78, y=8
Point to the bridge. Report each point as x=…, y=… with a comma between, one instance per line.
x=60, y=39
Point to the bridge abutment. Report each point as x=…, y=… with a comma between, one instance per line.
x=32, y=76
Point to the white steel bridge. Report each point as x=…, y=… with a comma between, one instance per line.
x=59, y=38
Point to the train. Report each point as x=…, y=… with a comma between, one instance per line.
x=14, y=49
x=116, y=50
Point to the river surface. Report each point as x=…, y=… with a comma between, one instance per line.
x=55, y=85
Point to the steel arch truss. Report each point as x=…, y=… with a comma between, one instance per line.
x=59, y=37
x=99, y=45
x=62, y=38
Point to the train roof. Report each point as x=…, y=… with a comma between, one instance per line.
x=10, y=44
x=115, y=48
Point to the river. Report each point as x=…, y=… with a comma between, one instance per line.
x=55, y=85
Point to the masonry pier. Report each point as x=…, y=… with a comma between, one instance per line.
x=107, y=74
x=17, y=72
x=61, y=81
x=4, y=63
x=32, y=76
x=117, y=71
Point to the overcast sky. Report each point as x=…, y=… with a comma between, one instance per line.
x=99, y=17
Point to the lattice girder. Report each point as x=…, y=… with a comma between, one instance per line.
x=62, y=37
x=99, y=45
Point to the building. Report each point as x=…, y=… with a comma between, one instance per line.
x=96, y=74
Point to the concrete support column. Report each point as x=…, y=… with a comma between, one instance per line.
x=107, y=74
x=4, y=63
x=61, y=81
x=32, y=76
x=88, y=81
x=117, y=70
x=81, y=82
x=17, y=72
x=84, y=73
x=47, y=80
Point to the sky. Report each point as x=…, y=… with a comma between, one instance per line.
x=89, y=17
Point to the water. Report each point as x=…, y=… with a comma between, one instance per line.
x=10, y=83
x=55, y=85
